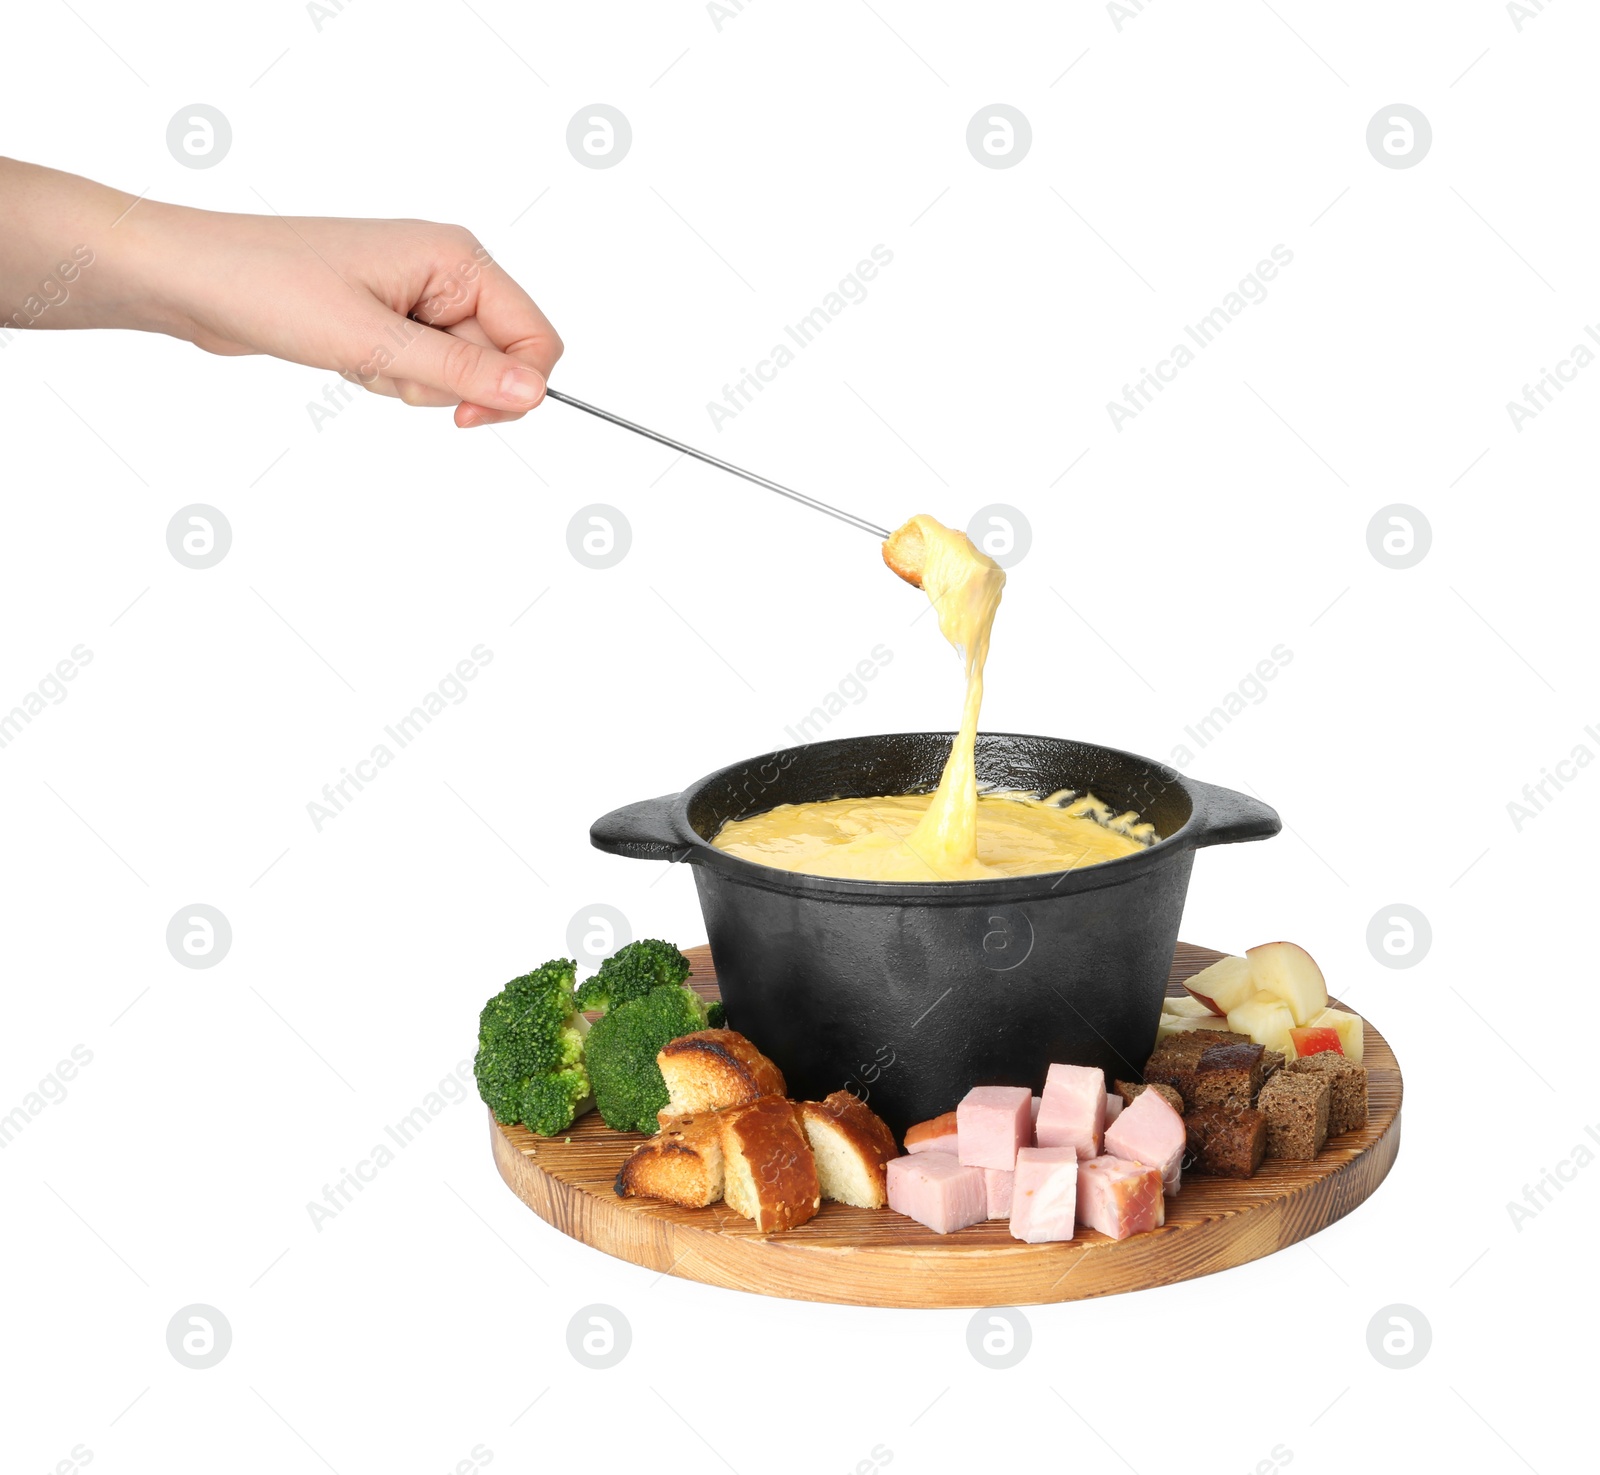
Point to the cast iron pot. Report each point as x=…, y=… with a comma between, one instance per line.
x=907, y=994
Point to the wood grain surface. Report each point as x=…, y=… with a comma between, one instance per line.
x=873, y=1257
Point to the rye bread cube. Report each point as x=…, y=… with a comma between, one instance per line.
x=1347, y=1088
x=1226, y=1141
x=1176, y=1058
x=1295, y=1105
x=1271, y=1060
x=1228, y=1073
x=1173, y=1070
x=1127, y=1090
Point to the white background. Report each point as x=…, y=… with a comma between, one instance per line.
x=768, y=157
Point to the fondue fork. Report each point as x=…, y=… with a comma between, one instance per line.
x=760, y=481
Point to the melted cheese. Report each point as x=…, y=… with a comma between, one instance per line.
x=951, y=834
x=1017, y=835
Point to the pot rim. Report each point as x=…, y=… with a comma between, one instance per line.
x=1216, y=816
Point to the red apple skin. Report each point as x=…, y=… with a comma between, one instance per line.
x=1283, y=942
x=1313, y=1039
x=1211, y=1004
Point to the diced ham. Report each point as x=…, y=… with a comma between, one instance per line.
x=992, y=1123
x=934, y=1189
x=1044, y=1194
x=1114, y=1105
x=997, y=1183
x=937, y=1135
x=1120, y=1198
x=1152, y=1133
x=1033, y=1117
x=1073, y=1113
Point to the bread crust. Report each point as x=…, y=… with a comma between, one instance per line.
x=715, y=1068
x=905, y=550
x=683, y=1165
x=769, y=1173
x=861, y=1129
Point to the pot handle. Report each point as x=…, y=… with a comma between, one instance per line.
x=642, y=831
x=1227, y=817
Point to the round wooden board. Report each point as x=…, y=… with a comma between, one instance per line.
x=872, y=1257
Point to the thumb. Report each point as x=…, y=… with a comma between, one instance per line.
x=467, y=371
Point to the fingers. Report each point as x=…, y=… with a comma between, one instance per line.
x=452, y=369
x=476, y=341
x=506, y=318
x=513, y=321
x=468, y=416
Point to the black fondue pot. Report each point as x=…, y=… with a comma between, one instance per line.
x=907, y=994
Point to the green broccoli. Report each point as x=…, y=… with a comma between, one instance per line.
x=547, y=1103
x=631, y=972
x=621, y=1053
x=529, y=1065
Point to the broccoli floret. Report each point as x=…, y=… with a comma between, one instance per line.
x=716, y=1016
x=548, y=1103
x=529, y=1065
x=631, y=972
x=621, y=1054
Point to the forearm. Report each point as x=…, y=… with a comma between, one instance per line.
x=406, y=308
x=73, y=254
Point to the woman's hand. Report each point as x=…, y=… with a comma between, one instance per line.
x=402, y=307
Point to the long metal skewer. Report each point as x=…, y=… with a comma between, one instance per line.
x=760, y=481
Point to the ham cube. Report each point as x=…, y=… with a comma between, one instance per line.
x=937, y=1135
x=1152, y=1133
x=1033, y=1117
x=1114, y=1105
x=1044, y=1194
x=992, y=1122
x=934, y=1189
x=1120, y=1198
x=1073, y=1113
x=997, y=1183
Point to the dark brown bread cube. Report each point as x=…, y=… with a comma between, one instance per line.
x=1188, y=1045
x=1228, y=1073
x=1226, y=1141
x=1173, y=1071
x=1127, y=1090
x=1175, y=1058
x=1271, y=1060
x=1347, y=1088
x=1295, y=1105
x=1219, y=1036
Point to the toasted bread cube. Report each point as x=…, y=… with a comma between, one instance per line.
x=715, y=1068
x=682, y=1165
x=851, y=1146
x=769, y=1173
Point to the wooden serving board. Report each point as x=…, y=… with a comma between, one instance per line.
x=873, y=1257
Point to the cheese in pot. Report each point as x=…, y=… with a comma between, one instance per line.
x=871, y=839
x=952, y=834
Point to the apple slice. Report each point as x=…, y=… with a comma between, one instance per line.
x=1189, y=1007
x=1349, y=1028
x=1313, y=1039
x=1225, y=983
x=1178, y=1024
x=1290, y=973
x=1267, y=1020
